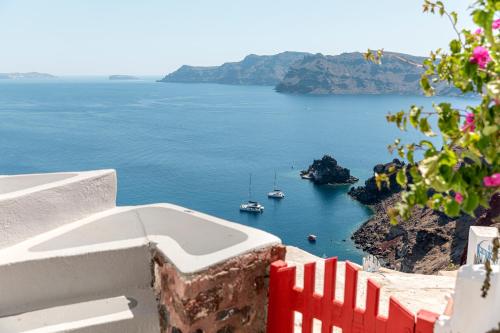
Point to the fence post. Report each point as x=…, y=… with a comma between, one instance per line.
x=350, y=291
x=425, y=321
x=327, y=302
x=399, y=319
x=280, y=314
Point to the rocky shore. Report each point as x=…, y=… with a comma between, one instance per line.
x=427, y=243
x=328, y=171
x=370, y=194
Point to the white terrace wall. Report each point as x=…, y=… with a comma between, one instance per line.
x=33, y=204
x=473, y=313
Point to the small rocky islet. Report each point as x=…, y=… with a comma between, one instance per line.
x=327, y=171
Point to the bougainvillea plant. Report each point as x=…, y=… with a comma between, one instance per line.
x=462, y=173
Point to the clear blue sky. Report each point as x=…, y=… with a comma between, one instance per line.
x=153, y=37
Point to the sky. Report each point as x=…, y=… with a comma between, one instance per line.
x=155, y=37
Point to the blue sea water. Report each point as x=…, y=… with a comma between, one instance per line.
x=196, y=144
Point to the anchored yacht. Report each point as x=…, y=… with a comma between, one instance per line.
x=276, y=193
x=251, y=206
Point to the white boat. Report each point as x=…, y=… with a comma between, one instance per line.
x=312, y=238
x=276, y=193
x=251, y=206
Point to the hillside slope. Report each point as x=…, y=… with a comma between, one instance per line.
x=350, y=73
x=253, y=70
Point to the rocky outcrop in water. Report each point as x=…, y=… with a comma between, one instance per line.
x=369, y=194
x=328, y=171
x=123, y=77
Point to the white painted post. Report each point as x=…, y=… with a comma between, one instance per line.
x=480, y=244
x=471, y=312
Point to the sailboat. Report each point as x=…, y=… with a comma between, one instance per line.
x=276, y=193
x=251, y=206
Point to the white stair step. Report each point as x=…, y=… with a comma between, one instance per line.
x=43, y=283
x=134, y=312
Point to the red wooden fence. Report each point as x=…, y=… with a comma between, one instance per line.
x=285, y=298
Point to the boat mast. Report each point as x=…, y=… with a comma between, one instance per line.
x=250, y=188
x=274, y=179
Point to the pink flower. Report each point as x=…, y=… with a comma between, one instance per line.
x=480, y=56
x=496, y=24
x=479, y=31
x=469, y=123
x=492, y=181
x=458, y=197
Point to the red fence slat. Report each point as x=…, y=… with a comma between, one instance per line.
x=285, y=298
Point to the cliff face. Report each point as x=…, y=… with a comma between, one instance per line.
x=253, y=70
x=370, y=194
x=317, y=74
x=427, y=243
x=350, y=73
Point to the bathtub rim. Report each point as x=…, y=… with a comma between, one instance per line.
x=185, y=263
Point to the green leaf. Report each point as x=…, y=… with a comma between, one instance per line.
x=454, y=17
x=414, y=116
x=480, y=17
x=426, y=87
x=452, y=208
x=425, y=127
x=455, y=46
x=470, y=203
x=490, y=129
x=401, y=177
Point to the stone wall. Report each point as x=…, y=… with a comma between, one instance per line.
x=226, y=298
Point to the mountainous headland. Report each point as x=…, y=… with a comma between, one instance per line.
x=29, y=75
x=351, y=73
x=314, y=74
x=267, y=70
x=328, y=171
x=123, y=77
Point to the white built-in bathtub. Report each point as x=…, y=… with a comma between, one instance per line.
x=111, y=251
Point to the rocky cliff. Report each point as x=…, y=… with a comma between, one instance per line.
x=350, y=73
x=427, y=243
x=369, y=194
x=328, y=171
x=253, y=70
x=316, y=74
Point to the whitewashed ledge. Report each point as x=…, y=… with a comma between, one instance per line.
x=415, y=291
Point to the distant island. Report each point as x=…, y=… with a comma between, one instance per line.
x=316, y=74
x=30, y=75
x=123, y=77
x=266, y=70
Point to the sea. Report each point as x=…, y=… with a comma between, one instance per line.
x=196, y=145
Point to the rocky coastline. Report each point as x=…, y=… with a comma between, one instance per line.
x=369, y=194
x=327, y=171
x=427, y=243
